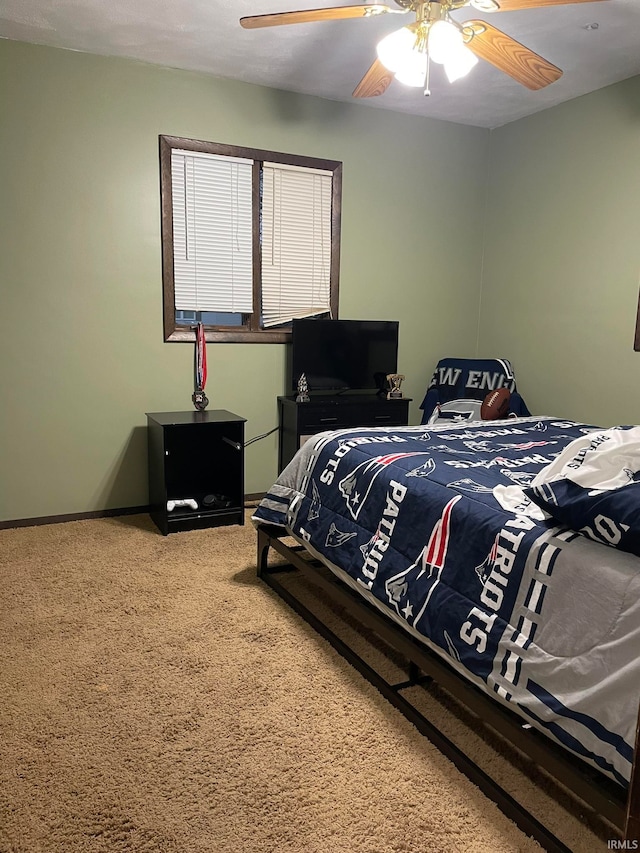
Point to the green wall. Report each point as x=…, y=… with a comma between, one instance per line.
x=562, y=255
x=82, y=356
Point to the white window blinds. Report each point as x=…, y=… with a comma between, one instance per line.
x=212, y=232
x=296, y=242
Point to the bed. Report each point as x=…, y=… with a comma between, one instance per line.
x=501, y=558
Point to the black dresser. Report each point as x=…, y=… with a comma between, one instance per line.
x=299, y=421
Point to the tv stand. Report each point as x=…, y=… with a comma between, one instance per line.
x=299, y=421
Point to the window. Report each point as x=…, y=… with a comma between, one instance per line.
x=250, y=240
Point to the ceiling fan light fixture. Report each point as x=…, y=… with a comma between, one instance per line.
x=393, y=49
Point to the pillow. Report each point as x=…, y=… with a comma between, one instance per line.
x=611, y=517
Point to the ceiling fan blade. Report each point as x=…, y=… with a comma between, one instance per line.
x=309, y=15
x=510, y=56
x=375, y=82
x=515, y=5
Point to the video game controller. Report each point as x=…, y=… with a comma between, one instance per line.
x=184, y=502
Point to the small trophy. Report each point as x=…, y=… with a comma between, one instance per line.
x=395, y=381
x=303, y=389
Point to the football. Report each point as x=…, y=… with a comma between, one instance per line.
x=495, y=405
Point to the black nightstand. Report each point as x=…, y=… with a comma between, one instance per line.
x=196, y=469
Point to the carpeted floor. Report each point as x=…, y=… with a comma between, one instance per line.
x=156, y=698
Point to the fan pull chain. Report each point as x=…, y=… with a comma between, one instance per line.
x=427, y=90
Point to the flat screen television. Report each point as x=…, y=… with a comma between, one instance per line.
x=343, y=355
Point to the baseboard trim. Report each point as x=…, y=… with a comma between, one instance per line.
x=99, y=513
x=72, y=516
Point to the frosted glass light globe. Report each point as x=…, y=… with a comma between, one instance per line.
x=459, y=63
x=413, y=70
x=444, y=39
x=393, y=48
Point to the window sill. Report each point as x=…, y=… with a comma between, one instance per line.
x=232, y=336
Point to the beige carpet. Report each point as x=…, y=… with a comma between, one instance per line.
x=155, y=697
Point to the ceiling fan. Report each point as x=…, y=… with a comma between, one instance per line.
x=434, y=36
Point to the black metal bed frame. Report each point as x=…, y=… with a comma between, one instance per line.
x=620, y=808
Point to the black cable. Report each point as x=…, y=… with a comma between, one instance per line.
x=258, y=437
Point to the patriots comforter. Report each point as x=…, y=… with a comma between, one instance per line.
x=540, y=616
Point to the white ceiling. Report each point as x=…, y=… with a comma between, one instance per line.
x=328, y=59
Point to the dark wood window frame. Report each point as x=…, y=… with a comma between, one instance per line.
x=251, y=332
